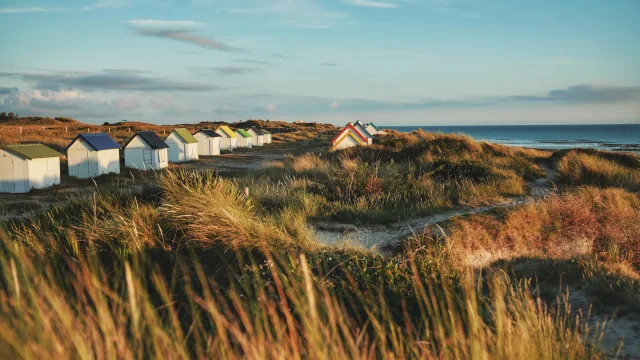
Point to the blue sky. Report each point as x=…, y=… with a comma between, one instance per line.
x=396, y=62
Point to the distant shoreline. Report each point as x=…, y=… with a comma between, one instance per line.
x=615, y=137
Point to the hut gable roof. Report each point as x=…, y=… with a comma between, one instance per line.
x=257, y=130
x=228, y=131
x=185, y=135
x=152, y=139
x=243, y=133
x=98, y=142
x=374, y=126
x=350, y=128
x=363, y=130
x=210, y=133
x=32, y=151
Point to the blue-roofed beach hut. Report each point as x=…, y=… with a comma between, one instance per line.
x=91, y=155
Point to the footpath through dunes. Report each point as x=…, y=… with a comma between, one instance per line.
x=379, y=237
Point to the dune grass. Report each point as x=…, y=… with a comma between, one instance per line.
x=599, y=168
x=194, y=269
x=406, y=175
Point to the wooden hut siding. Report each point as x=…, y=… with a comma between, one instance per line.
x=371, y=129
x=361, y=129
x=181, y=150
x=346, y=142
x=207, y=145
x=86, y=162
x=257, y=137
x=14, y=173
x=349, y=136
x=229, y=140
x=138, y=154
x=44, y=173
x=19, y=173
x=244, y=139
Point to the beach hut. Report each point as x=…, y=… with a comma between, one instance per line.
x=182, y=146
x=361, y=128
x=146, y=151
x=257, y=136
x=244, y=139
x=373, y=129
x=229, y=139
x=91, y=155
x=267, y=136
x=208, y=142
x=28, y=166
x=348, y=137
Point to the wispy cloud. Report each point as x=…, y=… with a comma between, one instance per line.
x=106, y=81
x=283, y=56
x=225, y=70
x=31, y=9
x=102, y=4
x=327, y=64
x=164, y=23
x=186, y=36
x=590, y=93
x=371, y=3
x=256, y=62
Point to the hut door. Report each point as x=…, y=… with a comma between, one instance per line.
x=146, y=157
x=83, y=163
x=7, y=183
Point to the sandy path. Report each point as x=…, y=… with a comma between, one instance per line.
x=377, y=237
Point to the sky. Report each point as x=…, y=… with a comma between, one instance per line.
x=395, y=62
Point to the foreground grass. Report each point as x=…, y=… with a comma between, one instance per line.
x=193, y=269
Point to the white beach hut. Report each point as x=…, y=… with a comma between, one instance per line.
x=373, y=129
x=208, y=142
x=146, y=151
x=348, y=137
x=244, y=139
x=267, y=136
x=229, y=139
x=182, y=146
x=257, y=136
x=91, y=155
x=28, y=166
x=363, y=131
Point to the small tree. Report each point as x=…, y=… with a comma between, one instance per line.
x=3, y=116
x=12, y=115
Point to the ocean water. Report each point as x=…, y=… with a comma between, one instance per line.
x=604, y=137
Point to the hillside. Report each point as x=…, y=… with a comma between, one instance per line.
x=38, y=120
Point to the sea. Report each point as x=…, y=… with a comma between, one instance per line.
x=622, y=137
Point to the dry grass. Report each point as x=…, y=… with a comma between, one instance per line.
x=600, y=169
x=274, y=314
x=588, y=221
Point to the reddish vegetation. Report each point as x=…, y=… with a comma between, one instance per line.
x=589, y=220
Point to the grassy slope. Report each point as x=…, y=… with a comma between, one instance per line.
x=194, y=268
x=405, y=176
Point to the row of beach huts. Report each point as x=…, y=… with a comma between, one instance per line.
x=35, y=166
